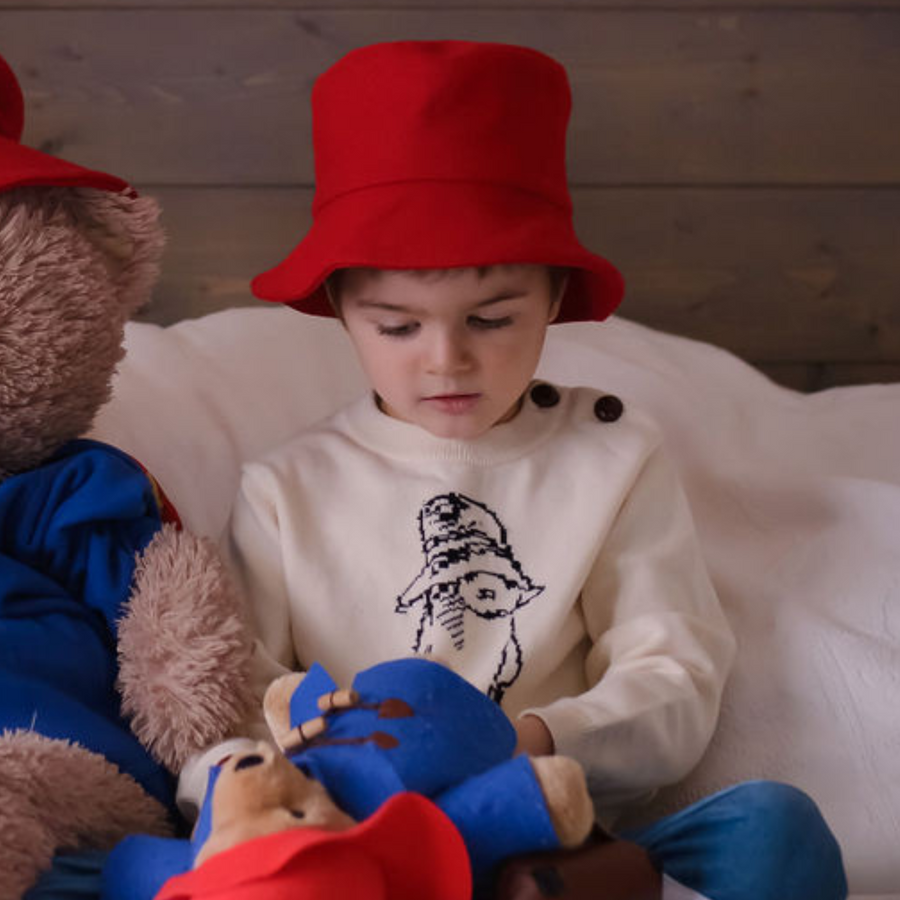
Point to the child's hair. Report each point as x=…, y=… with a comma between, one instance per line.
x=558, y=275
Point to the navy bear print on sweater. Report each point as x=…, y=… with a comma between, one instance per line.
x=469, y=568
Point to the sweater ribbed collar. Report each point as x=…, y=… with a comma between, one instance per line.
x=365, y=423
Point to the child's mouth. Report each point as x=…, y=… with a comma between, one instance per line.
x=453, y=404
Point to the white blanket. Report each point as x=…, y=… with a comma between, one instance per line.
x=797, y=501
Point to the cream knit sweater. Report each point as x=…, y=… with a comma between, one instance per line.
x=552, y=562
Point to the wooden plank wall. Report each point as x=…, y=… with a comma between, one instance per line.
x=739, y=161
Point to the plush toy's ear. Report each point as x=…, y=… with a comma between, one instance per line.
x=125, y=228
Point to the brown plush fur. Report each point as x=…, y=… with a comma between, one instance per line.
x=54, y=793
x=184, y=651
x=75, y=264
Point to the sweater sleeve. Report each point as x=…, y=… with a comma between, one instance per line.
x=660, y=648
x=254, y=550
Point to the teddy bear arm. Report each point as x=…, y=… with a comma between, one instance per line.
x=184, y=649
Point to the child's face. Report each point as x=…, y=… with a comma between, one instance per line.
x=450, y=354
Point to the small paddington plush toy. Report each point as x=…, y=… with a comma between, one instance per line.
x=404, y=726
x=93, y=566
x=274, y=833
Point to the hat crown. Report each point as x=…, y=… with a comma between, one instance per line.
x=12, y=104
x=445, y=111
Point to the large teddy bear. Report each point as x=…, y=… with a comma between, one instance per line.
x=94, y=568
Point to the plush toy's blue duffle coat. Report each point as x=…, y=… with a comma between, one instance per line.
x=69, y=534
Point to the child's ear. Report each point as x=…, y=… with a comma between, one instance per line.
x=557, y=300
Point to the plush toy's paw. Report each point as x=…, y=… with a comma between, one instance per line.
x=277, y=706
x=260, y=792
x=184, y=649
x=565, y=790
x=53, y=795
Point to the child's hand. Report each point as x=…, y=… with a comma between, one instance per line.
x=534, y=737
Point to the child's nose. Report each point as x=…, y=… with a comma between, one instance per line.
x=449, y=353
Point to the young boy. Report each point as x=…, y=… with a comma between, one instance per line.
x=533, y=537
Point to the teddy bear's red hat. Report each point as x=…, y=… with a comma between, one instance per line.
x=407, y=850
x=22, y=166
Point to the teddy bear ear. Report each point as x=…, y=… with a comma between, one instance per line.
x=126, y=229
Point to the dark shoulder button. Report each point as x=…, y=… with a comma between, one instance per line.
x=609, y=408
x=544, y=395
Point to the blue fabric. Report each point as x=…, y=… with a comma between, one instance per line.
x=456, y=731
x=500, y=813
x=760, y=840
x=74, y=876
x=304, y=703
x=69, y=532
x=455, y=747
x=140, y=865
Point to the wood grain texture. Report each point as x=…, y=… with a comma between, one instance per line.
x=461, y=5
x=660, y=97
x=817, y=282
x=739, y=162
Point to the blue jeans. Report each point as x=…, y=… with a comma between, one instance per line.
x=756, y=841
x=760, y=840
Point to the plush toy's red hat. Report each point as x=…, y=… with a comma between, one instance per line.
x=438, y=154
x=408, y=850
x=22, y=166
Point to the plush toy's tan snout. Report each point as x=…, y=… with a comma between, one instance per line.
x=260, y=792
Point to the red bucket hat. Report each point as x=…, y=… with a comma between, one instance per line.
x=21, y=166
x=439, y=154
x=407, y=850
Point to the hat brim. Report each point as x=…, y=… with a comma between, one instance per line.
x=408, y=845
x=437, y=225
x=22, y=166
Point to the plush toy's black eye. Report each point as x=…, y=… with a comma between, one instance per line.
x=248, y=762
x=298, y=814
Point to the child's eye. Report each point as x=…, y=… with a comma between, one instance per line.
x=406, y=330
x=487, y=324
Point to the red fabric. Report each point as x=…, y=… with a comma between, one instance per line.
x=435, y=154
x=168, y=512
x=408, y=850
x=22, y=166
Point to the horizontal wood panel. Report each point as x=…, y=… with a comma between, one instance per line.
x=776, y=276
x=451, y=4
x=193, y=96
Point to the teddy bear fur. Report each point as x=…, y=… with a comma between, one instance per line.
x=75, y=264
